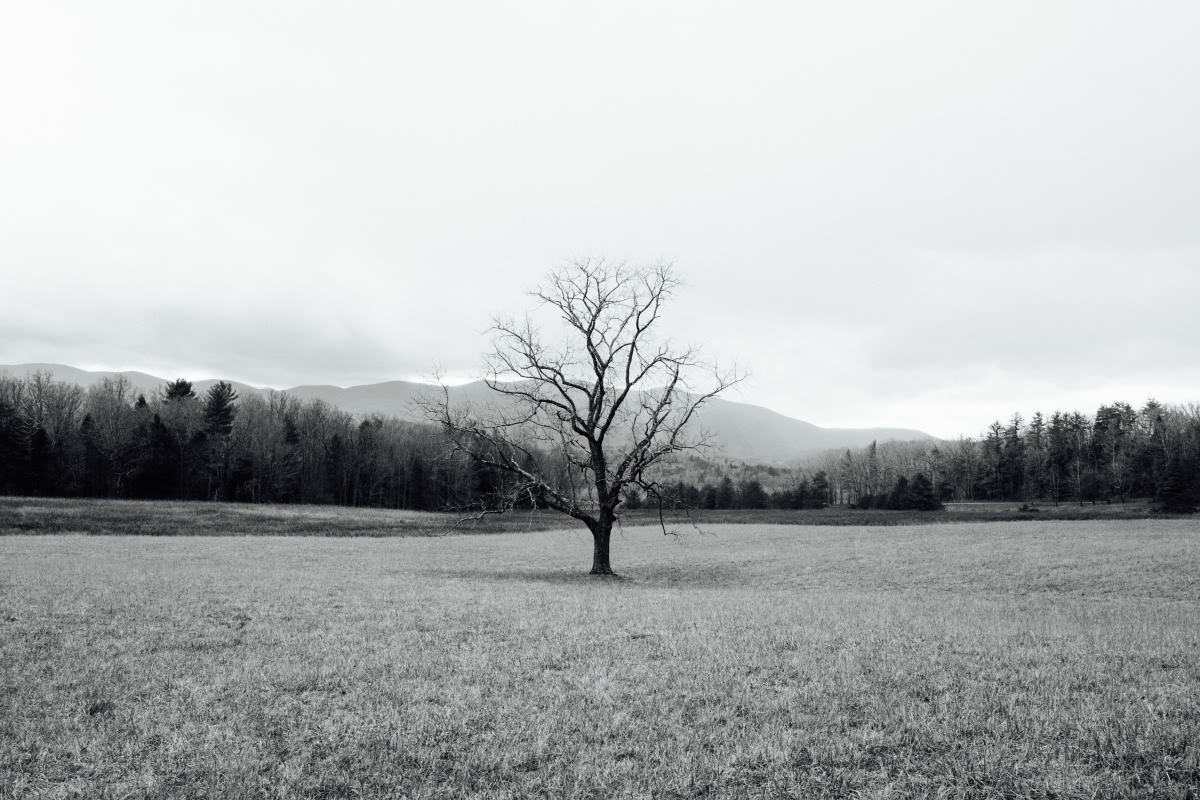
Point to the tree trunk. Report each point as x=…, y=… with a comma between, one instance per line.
x=602, y=536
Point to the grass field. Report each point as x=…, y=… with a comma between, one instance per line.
x=155, y=518
x=1000, y=659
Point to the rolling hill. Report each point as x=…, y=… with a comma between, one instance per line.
x=743, y=431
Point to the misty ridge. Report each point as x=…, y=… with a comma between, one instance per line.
x=743, y=431
x=66, y=432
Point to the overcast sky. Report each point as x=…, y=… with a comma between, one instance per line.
x=914, y=214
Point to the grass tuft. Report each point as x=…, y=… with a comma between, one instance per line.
x=99, y=707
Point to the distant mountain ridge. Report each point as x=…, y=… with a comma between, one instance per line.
x=743, y=431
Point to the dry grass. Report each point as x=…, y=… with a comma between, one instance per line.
x=22, y=515
x=1027, y=659
x=19, y=515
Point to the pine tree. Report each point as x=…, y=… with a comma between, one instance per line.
x=178, y=389
x=219, y=413
x=1036, y=457
x=752, y=495
x=798, y=497
x=418, y=493
x=678, y=495
x=95, y=483
x=157, y=478
x=1012, y=464
x=10, y=451
x=1179, y=491
x=993, y=457
x=38, y=481
x=726, y=495
x=920, y=495
x=219, y=409
x=846, y=476
x=818, y=491
x=1058, y=456
x=292, y=461
x=897, y=498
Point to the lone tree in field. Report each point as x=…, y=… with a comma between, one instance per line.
x=576, y=425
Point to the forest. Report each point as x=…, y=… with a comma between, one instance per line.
x=107, y=440
x=60, y=439
x=1118, y=454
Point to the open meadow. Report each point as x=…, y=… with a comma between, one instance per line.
x=1034, y=658
x=174, y=518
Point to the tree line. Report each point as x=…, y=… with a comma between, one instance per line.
x=1117, y=454
x=61, y=440
x=747, y=493
x=799, y=491
x=108, y=440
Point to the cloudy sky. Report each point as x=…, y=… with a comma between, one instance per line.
x=916, y=214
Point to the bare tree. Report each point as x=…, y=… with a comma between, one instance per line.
x=574, y=425
x=181, y=414
x=117, y=428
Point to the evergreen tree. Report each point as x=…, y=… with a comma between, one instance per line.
x=752, y=495
x=678, y=495
x=818, y=491
x=95, y=482
x=1012, y=463
x=993, y=459
x=898, y=497
x=10, y=450
x=219, y=409
x=801, y=496
x=726, y=494
x=417, y=494
x=156, y=480
x=1180, y=487
x=178, y=389
x=873, y=472
x=219, y=413
x=1036, y=457
x=920, y=495
x=38, y=481
x=846, y=475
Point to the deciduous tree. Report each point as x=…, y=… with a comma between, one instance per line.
x=579, y=421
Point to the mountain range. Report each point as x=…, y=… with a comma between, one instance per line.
x=743, y=431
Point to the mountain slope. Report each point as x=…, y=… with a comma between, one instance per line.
x=754, y=433
x=142, y=382
x=742, y=431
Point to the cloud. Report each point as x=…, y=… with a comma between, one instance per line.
x=907, y=218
